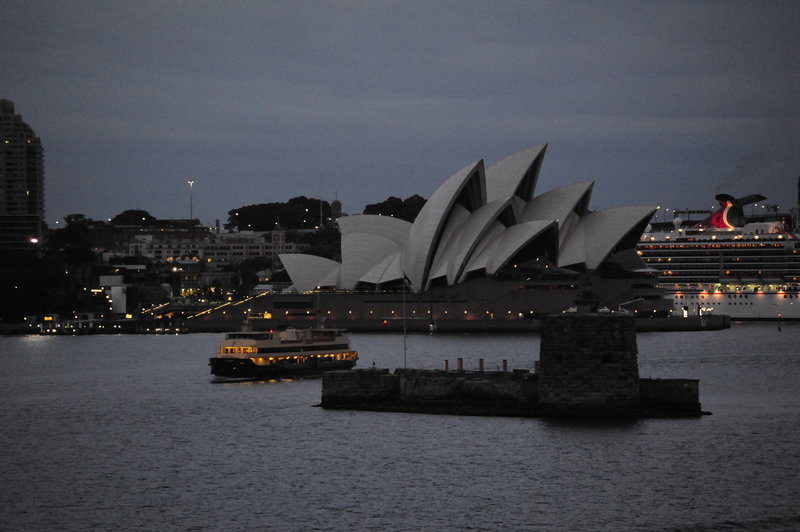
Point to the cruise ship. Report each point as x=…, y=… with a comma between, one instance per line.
x=747, y=268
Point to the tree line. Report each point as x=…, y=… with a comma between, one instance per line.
x=312, y=213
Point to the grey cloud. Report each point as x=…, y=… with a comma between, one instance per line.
x=262, y=101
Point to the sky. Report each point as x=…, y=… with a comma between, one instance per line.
x=660, y=103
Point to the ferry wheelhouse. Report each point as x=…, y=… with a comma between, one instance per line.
x=286, y=353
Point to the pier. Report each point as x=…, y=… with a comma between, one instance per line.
x=588, y=368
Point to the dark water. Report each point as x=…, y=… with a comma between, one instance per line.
x=127, y=432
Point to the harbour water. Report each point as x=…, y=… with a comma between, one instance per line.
x=129, y=433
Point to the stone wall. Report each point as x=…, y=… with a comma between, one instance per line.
x=351, y=388
x=432, y=391
x=588, y=365
x=588, y=368
x=669, y=397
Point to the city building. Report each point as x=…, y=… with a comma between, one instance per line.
x=227, y=248
x=21, y=182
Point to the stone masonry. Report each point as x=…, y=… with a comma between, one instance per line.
x=588, y=366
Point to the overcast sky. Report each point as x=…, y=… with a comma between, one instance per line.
x=660, y=103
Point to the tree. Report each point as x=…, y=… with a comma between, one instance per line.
x=71, y=248
x=27, y=286
x=71, y=243
x=52, y=281
x=133, y=217
x=323, y=243
x=76, y=219
x=407, y=209
x=297, y=213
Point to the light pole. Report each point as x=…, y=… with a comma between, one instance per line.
x=190, y=198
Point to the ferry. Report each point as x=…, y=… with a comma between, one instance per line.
x=728, y=264
x=286, y=353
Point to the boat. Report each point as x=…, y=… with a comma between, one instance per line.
x=743, y=267
x=285, y=353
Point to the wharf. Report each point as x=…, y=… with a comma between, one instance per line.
x=394, y=325
x=588, y=368
x=487, y=393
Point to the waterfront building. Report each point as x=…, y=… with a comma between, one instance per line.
x=202, y=246
x=227, y=248
x=480, y=222
x=485, y=247
x=21, y=182
x=169, y=249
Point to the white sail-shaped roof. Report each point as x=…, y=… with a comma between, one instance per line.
x=386, y=271
x=515, y=175
x=366, y=240
x=331, y=278
x=477, y=220
x=448, y=245
x=308, y=271
x=514, y=239
x=558, y=203
x=599, y=232
x=469, y=236
x=466, y=187
x=484, y=250
x=565, y=204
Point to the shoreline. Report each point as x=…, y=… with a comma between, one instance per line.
x=394, y=325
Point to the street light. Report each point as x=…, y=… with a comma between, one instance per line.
x=190, y=198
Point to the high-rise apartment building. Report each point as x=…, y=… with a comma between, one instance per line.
x=21, y=182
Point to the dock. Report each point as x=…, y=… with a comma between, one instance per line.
x=588, y=368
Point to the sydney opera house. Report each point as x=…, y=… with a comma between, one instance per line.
x=486, y=251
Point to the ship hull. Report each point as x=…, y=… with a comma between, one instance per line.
x=738, y=305
x=244, y=368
